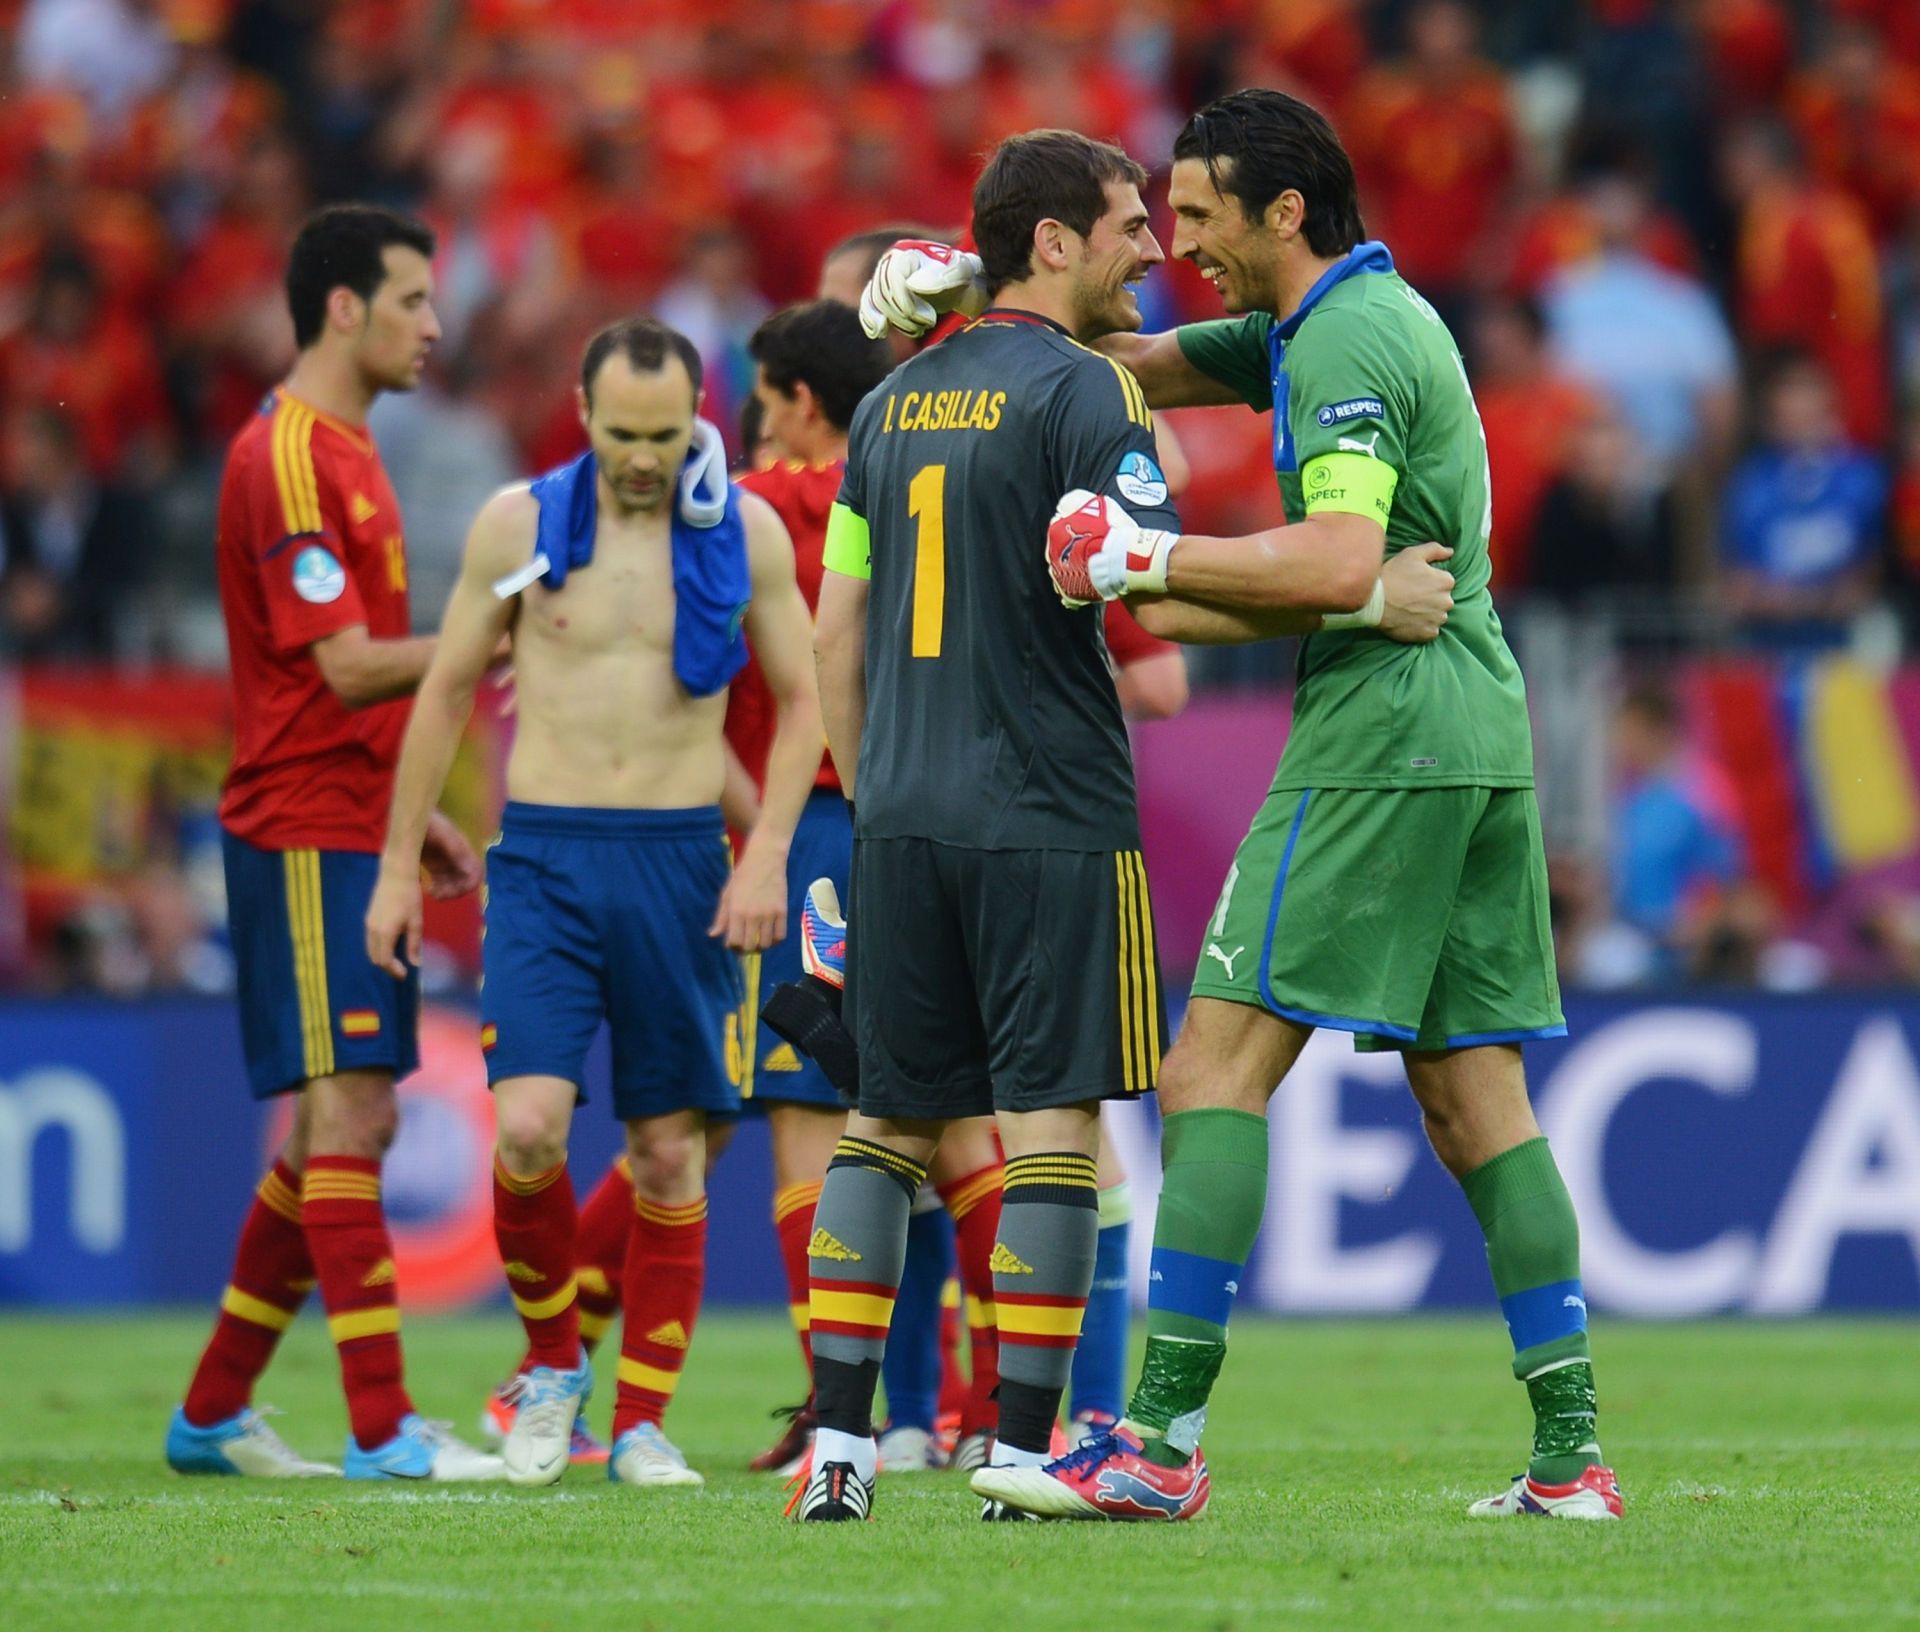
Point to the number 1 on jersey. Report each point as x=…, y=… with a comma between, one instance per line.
x=927, y=503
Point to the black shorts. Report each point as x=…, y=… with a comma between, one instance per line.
x=1013, y=980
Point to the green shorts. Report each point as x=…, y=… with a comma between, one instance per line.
x=1414, y=918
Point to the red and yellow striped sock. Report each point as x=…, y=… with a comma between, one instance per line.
x=353, y=1260
x=666, y=1269
x=974, y=1202
x=272, y=1275
x=793, y=1207
x=600, y=1251
x=533, y=1222
x=953, y=1378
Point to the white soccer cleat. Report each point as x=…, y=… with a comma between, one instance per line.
x=645, y=1456
x=243, y=1445
x=973, y=1451
x=1594, y=1495
x=910, y=1450
x=539, y=1445
x=831, y=1494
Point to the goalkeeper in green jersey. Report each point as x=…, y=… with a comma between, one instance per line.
x=1393, y=883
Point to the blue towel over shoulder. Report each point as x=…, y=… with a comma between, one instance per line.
x=711, y=581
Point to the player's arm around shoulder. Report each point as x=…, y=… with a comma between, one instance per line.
x=472, y=630
x=753, y=908
x=1166, y=374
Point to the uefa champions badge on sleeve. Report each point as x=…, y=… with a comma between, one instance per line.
x=1140, y=481
x=317, y=576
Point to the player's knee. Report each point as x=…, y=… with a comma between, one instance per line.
x=669, y=1164
x=529, y=1137
x=1445, y=1135
x=362, y=1127
x=1184, y=1080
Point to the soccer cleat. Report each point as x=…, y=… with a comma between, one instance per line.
x=584, y=1449
x=823, y=934
x=1088, y=1425
x=496, y=1422
x=422, y=1450
x=787, y=1452
x=546, y=1408
x=643, y=1455
x=1594, y=1495
x=243, y=1444
x=971, y=1453
x=992, y=1512
x=1107, y=1478
x=910, y=1450
x=496, y=1416
x=830, y=1494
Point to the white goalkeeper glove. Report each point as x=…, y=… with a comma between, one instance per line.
x=1096, y=551
x=918, y=282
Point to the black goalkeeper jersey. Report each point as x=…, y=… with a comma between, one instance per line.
x=991, y=718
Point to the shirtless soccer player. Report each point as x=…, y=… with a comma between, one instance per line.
x=313, y=582
x=1393, y=885
x=623, y=580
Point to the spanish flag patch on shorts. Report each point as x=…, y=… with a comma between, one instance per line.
x=359, y=1022
x=489, y=1035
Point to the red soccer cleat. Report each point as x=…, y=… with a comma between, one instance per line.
x=1594, y=1495
x=1107, y=1478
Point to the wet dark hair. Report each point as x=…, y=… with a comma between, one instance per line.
x=344, y=246
x=1258, y=143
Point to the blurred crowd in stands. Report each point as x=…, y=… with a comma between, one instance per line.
x=1678, y=240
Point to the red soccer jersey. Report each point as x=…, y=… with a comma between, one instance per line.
x=1127, y=642
x=309, y=544
x=802, y=495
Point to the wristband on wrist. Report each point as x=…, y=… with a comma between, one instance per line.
x=1368, y=617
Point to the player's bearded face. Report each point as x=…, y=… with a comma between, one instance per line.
x=640, y=422
x=1114, y=257
x=1237, y=256
x=400, y=326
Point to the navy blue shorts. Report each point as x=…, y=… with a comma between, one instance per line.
x=602, y=915
x=311, y=1001
x=822, y=848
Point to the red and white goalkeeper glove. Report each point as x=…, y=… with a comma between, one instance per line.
x=916, y=283
x=1096, y=551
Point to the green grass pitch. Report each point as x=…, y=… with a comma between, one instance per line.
x=1769, y=1470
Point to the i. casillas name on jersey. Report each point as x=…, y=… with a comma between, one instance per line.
x=943, y=411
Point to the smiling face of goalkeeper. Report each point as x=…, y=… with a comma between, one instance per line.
x=1056, y=211
x=1262, y=193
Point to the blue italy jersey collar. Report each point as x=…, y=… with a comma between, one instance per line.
x=1372, y=256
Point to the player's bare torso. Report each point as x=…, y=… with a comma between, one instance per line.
x=602, y=719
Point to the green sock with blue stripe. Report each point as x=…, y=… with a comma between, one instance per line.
x=1533, y=1249
x=1213, y=1192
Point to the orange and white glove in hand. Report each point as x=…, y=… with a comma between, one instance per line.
x=918, y=282
x=1096, y=551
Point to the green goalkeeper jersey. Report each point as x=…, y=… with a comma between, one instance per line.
x=1372, y=413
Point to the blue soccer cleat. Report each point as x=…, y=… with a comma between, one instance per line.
x=422, y=1450
x=243, y=1444
x=823, y=934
